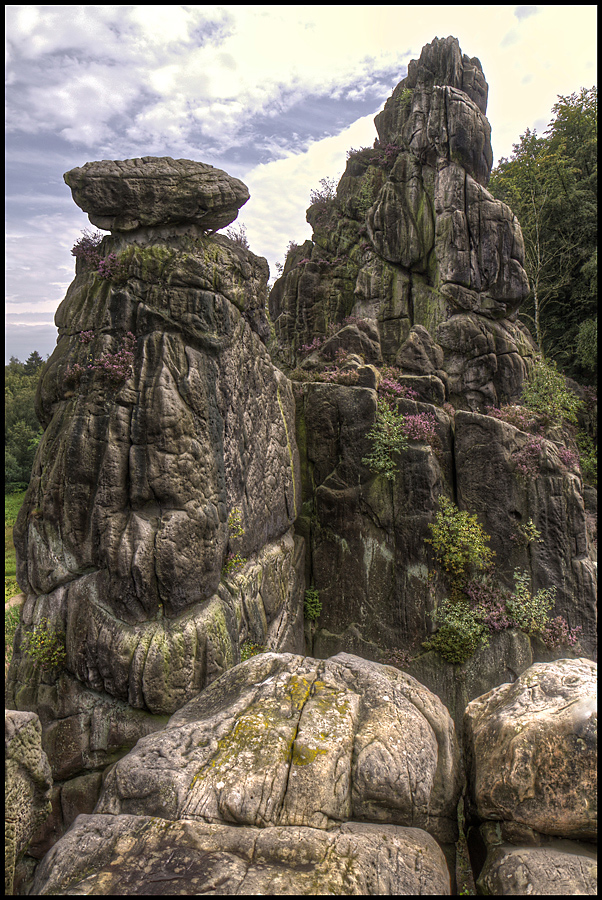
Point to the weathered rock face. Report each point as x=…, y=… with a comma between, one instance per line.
x=414, y=263
x=124, y=195
x=164, y=418
x=28, y=783
x=107, y=855
x=489, y=484
x=531, y=750
x=367, y=538
x=280, y=752
x=413, y=238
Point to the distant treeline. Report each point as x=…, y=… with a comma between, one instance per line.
x=22, y=431
x=550, y=183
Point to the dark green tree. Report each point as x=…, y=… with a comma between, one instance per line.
x=22, y=429
x=550, y=182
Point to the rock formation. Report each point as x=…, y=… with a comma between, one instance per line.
x=414, y=264
x=125, y=195
x=168, y=462
x=28, y=784
x=202, y=466
x=531, y=752
x=413, y=238
x=285, y=774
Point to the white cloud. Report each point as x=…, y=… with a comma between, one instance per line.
x=280, y=190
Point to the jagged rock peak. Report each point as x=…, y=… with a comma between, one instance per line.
x=123, y=195
x=438, y=111
x=443, y=63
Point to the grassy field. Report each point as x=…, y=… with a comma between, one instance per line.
x=12, y=505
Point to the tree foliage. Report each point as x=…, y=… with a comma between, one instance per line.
x=22, y=430
x=550, y=182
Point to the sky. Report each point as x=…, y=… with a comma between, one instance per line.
x=274, y=95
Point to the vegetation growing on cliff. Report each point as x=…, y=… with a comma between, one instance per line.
x=478, y=604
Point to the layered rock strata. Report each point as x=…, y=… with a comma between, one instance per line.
x=287, y=773
x=156, y=535
x=531, y=750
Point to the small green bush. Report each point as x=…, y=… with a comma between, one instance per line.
x=312, y=606
x=234, y=563
x=46, y=645
x=529, y=612
x=388, y=438
x=527, y=534
x=249, y=649
x=405, y=98
x=235, y=523
x=546, y=392
x=459, y=633
x=459, y=541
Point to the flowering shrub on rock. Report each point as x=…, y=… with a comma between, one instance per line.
x=87, y=247
x=528, y=458
x=421, y=427
x=516, y=415
x=114, y=368
x=569, y=458
x=478, y=605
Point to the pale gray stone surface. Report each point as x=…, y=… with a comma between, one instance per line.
x=106, y=855
x=123, y=195
x=27, y=783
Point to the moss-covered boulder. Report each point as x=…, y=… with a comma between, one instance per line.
x=285, y=749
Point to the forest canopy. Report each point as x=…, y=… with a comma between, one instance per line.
x=550, y=183
x=22, y=431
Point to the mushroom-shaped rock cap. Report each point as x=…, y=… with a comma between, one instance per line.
x=123, y=195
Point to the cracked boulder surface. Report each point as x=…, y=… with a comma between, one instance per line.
x=531, y=755
x=412, y=239
x=532, y=750
x=107, y=855
x=125, y=195
x=308, y=762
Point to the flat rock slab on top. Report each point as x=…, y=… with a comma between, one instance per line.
x=123, y=195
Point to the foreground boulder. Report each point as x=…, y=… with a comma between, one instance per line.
x=531, y=750
x=109, y=855
x=281, y=752
x=28, y=785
